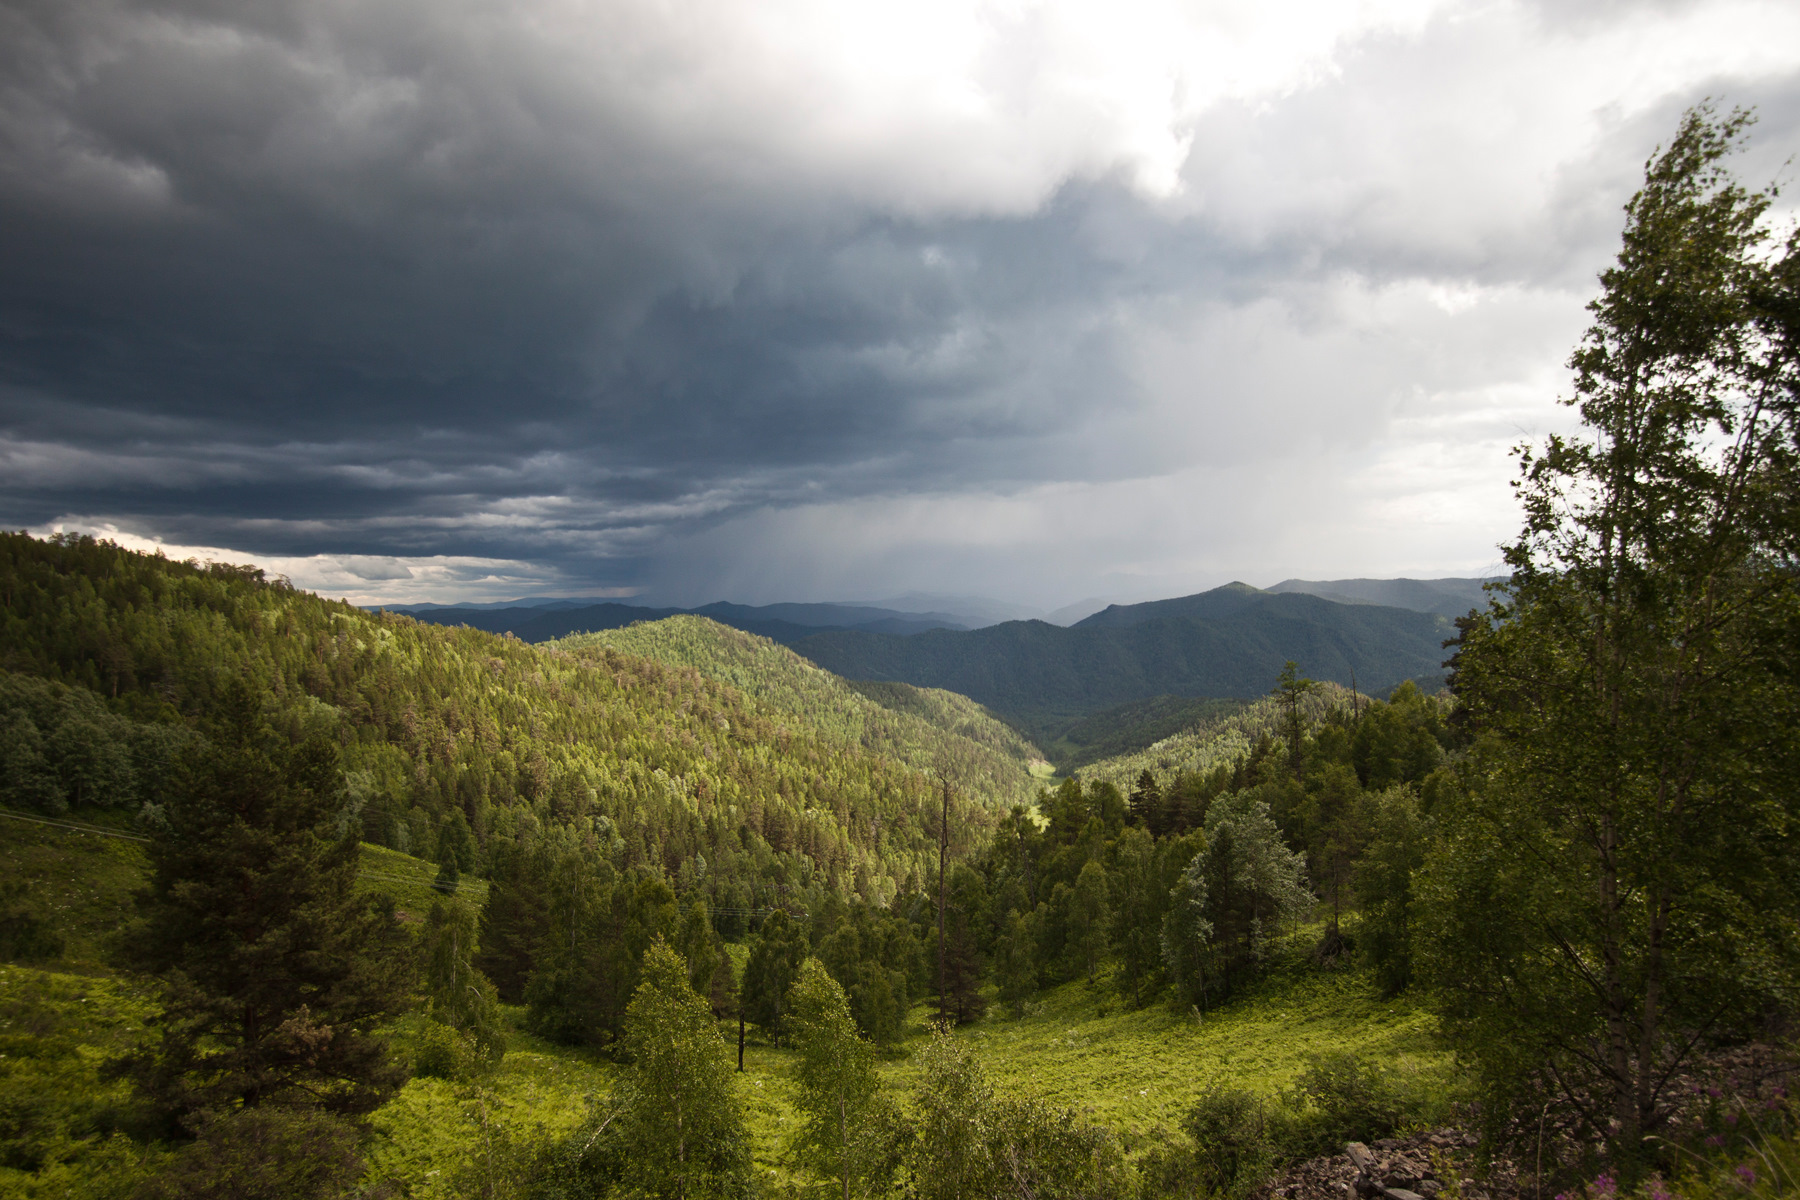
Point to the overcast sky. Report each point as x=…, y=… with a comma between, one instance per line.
x=805, y=299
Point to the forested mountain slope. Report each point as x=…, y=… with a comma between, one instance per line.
x=1231, y=642
x=449, y=735
x=1214, y=741
x=930, y=730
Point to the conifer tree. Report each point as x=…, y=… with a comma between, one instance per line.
x=275, y=970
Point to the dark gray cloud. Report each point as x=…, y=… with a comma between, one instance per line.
x=418, y=298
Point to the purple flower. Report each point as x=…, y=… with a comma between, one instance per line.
x=1747, y=1173
x=1713, y=1092
x=1731, y=1118
x=1715, y=1140
x=1658, y=1191
x=1604, y=1185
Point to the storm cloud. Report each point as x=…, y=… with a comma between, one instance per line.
x=804, y=300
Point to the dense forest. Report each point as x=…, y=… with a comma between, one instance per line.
x=709, y=866
x=454, y=737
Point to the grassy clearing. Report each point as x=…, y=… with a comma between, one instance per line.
x=1139, y=1071
x=409, y=880
x=80, y=884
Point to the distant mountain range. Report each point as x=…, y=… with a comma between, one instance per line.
x=1448, y=597
x=1230, y=642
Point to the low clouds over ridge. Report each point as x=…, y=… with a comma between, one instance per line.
x=803, y=300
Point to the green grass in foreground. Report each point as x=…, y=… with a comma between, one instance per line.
x=1139, y=1071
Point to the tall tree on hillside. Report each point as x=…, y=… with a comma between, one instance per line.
x=774, y=963
x=846, y=1134
x=461, y=996
x=1292, y=688
x=1622, y=883
x=681, y=1130
x=275, y=969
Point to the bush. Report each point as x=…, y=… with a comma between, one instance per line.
x=1354, y=1099
x=445, y=1053
x=264, y=1153
x=24, y=937
x=1233, y=1143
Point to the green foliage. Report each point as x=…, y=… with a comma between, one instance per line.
x=680, y=1128
x=847, y=1130
x=462, y=999
x=1399, y=835
x=264, y=1153
x=25, y=937
x=1233, y=1146
x=1356, y=1098
x=1234, y=899
x=659, y=766
x=58, y=1117
x=275, y=971
x=1220, y=741
x=1131, y=727
x=73, y=886
x=970, y=1144
x=61, y=746
x=926, y=729
x=1616, y=882
x=877, y=958
x=770, y=971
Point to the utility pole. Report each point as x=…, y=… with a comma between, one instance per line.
x=943, y=856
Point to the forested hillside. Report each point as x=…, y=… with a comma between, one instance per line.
x=451, y=738
x=1230, y=642
x=931, y=730
x=1213, y=740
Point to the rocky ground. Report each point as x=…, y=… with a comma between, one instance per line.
x=1437, y=1165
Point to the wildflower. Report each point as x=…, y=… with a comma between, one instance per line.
x=1731, y=1118
x=1604, y=1185
x=1747, y=1173
x=1659, y=1190
x=1715, y=1141
x=1713, y=1092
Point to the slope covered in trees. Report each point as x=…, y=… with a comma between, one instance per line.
x=1229, y=642
x=926, y=728
x=451, y=737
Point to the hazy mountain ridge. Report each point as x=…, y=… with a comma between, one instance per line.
x=1450, y=597
x=1041, y=676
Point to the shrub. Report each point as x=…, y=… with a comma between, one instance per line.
x=264, y=1153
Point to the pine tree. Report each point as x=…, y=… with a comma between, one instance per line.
x=275, y=970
